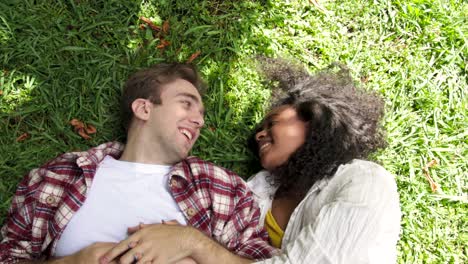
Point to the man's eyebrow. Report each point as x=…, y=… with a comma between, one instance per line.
x=191, y=96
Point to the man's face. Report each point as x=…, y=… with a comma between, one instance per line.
x=175, y=123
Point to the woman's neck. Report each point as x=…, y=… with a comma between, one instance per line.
x=282, y=209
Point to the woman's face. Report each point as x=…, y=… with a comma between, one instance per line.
x=282, y=134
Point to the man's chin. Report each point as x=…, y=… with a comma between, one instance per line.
x=183, y=151
x=184, y=154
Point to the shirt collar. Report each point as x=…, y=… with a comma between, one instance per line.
x=181, y=169
x=94, y=156
x=260, y=186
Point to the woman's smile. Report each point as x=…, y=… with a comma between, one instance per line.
x=282, y=134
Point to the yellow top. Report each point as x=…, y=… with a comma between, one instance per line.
x=274, y=231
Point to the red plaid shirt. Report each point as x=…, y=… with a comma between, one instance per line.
x=214, y=200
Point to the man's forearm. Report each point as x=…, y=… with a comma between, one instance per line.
x=207, y=251
x=49, y=261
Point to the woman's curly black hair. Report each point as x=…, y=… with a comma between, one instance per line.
x=343, y=123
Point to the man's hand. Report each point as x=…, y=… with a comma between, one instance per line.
x=89, y=255
x=157, y=243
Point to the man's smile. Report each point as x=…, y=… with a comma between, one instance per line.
x=188, y=133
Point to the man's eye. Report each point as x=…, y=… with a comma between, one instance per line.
x=186, y=103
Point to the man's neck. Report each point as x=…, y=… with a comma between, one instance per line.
x=136, y=150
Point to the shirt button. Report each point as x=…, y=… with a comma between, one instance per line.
x=50, y=200
x=191, y=212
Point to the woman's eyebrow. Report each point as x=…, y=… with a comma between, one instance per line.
x=271, y=117
x=267, y=119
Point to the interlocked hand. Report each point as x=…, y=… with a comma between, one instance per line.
x=154, y=243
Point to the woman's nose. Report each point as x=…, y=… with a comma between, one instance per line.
x=261, y=134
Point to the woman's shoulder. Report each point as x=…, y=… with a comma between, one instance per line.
x=365, y=181
x=363, y=170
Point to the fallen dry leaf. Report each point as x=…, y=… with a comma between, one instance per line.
x=193, y=56
x=432, y=183
x=142, y=26
x=165, y=27
x=77, y=124
x=83, y=134
x=150, y=24
x=82, y=129
x=164, y=43
x=90, y=129
x=23, y=137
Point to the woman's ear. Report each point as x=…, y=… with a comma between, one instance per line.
x=141, y=109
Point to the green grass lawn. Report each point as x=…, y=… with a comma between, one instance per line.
x=61, y=60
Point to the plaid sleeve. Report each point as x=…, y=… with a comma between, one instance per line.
x=253, y=240
x=16, y=234
x=247, y=238
x=219, y=203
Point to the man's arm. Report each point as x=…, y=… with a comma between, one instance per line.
x=88, y=255
x=242, y=233
x=159, y=243
x=208, y=251
x=18, y=241
x=16, y=233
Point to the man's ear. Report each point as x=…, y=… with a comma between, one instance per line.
x=141, y=109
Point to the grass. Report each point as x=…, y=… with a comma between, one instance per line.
x=61, y=60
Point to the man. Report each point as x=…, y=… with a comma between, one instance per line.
x=78, y=206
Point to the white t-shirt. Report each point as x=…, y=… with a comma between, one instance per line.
x=123, y=194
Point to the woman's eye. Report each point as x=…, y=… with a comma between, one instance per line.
x=271, y=123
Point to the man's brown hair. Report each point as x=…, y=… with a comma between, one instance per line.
x=147, y=84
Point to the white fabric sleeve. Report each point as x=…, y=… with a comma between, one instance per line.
x=340, y=235
x=345, y=227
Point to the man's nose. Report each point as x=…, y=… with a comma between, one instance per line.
x=198, y=119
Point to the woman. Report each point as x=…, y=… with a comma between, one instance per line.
x=320, y=200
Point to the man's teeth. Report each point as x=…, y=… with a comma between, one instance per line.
x=186, y=133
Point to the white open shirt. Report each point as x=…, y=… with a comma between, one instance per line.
x=353, y=217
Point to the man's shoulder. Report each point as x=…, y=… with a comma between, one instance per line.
x=70, y=163
x=206, y=169
x=95, y=154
